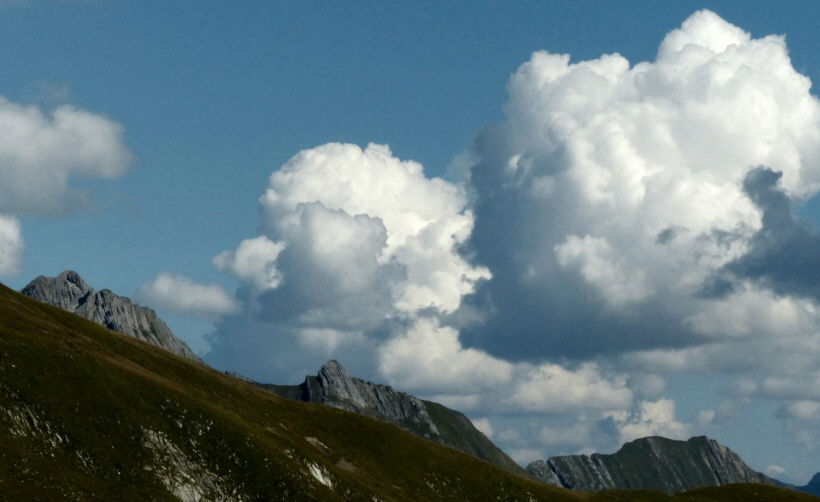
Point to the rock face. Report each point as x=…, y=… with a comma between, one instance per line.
x=653, y=463
x=117, y=313
x=334, y=386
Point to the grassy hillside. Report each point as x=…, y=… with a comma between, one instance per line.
x=87, y=414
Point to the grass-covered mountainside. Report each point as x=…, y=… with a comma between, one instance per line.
x=88, y=414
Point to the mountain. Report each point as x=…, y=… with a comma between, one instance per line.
x=334, y=386
x=88, y=414
x=653, y=463
x=117, y=313
x=813, y=487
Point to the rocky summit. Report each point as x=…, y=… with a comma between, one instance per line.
x=117, y=313
x=334, y=386
x=653, y=463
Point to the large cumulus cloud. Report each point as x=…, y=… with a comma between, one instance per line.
x=613, y=193
x=39, y=153
x=356, y=246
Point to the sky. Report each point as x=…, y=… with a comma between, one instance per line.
x=579, y=223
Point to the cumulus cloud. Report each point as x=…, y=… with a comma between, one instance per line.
x=357, y=243
x=40, y=151
x=612, y=193
x=429, y=358
x=254, y=260
x=551, y=388
x=11, y=245
x=182, y=295
x=652, y=418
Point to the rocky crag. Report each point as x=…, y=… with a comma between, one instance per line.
x=117, y=313
x=654, y=463
x=334, y=386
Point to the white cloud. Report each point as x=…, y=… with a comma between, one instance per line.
x=775, y=470
x=254, y=260
x=355, y=243
x=652, y=418
x=11, y=245
x=39, y=152
x=803, y=410
x=429, y=358
x=182, y=295
x=631, y=177
x=550, y=388
x=484, y=425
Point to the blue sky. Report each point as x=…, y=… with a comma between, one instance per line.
x=548, y=300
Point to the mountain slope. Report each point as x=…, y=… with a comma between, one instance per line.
x=654, y=463
x=334, y=386
x=87, y=414
x=117, y=313
x=813, y=487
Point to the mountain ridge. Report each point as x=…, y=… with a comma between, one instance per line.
x=88, y=414
x=334, y=386
x=70, y=292
x=654, y=463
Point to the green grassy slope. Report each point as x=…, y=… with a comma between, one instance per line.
x=87, y=414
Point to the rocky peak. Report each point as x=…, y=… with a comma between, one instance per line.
x=334, y=386
x=117, y=313
x=66, y=291
x=341, y=390
x=653, y=463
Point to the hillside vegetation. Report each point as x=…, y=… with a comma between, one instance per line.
x=90, y=415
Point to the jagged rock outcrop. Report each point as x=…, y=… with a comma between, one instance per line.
x=117, y=313
x=654, y=463
x=334, y=386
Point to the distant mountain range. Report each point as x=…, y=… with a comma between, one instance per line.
x=652, y=463
x=117, y=313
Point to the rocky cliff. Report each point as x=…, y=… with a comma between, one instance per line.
x=117, y=313
x=334, y=386
x=654, y=463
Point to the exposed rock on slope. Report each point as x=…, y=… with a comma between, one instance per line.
x=335, y=387
x=117, y=313
x=654, y=463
